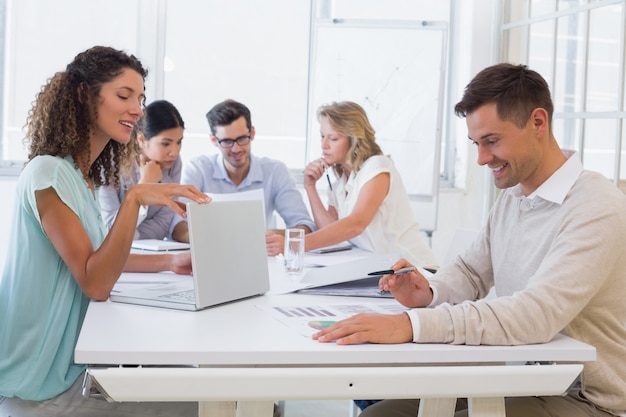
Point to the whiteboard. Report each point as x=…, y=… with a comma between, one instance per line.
x=396, y=71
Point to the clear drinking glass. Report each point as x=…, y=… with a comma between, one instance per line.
x=294, y=251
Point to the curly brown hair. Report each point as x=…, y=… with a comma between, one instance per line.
x=64, y=114
x=350, y=119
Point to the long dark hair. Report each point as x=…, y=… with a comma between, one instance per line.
x=158, y=116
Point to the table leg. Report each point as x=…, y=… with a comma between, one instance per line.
x=235, y=409
x=217, y=408
x=486, y=407
x=430, y=407
x=255, y=408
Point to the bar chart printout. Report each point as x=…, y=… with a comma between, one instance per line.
x=307, y=320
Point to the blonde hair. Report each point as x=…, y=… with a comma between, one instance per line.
x=350, y=119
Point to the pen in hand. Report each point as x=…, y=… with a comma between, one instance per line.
x=330, y=185
x=391, y=271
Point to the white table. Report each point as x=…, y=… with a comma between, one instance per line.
x=239, y=354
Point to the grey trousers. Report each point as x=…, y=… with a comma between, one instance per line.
x=559, y=406
x=71, y=403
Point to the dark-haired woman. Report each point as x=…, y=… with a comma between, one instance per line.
x=159, y=140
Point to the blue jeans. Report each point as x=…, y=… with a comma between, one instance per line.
x=363, y=404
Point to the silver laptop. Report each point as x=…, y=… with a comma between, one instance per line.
x=228, y=256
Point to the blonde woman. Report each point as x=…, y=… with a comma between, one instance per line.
x=367, y=204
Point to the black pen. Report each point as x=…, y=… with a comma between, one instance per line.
x=391, y=271
x=330, y=185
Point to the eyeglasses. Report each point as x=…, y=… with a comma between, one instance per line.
x=229, y=143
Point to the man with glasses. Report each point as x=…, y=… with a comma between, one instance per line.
x=234, y=169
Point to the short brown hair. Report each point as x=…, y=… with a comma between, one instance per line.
x=515, y=89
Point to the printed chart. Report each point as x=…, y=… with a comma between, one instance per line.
x=307, y=320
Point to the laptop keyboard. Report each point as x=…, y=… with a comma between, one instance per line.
x=187, y=295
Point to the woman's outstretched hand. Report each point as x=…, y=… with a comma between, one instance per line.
x=165, y=195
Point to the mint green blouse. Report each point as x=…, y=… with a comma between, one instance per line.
x=41, y=306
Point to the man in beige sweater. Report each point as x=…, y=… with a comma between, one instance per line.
x=553, y=247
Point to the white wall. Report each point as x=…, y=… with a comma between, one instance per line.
x=458, y=208
x=467, y=208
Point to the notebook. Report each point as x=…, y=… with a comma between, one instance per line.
x=159, y=245
x=365, y=287
x=333, y=248
x=349, y=278
x=228, y=256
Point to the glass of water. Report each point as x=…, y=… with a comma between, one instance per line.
x=294, y=251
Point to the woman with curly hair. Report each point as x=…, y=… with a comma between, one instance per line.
x=368, y=204
x=158, y=144
x=60, y=257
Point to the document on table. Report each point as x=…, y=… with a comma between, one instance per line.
x=290, y=284
x=130, y=280
x=339, y=247
x=159, y=245
x=307, y=320
x=366, y=287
